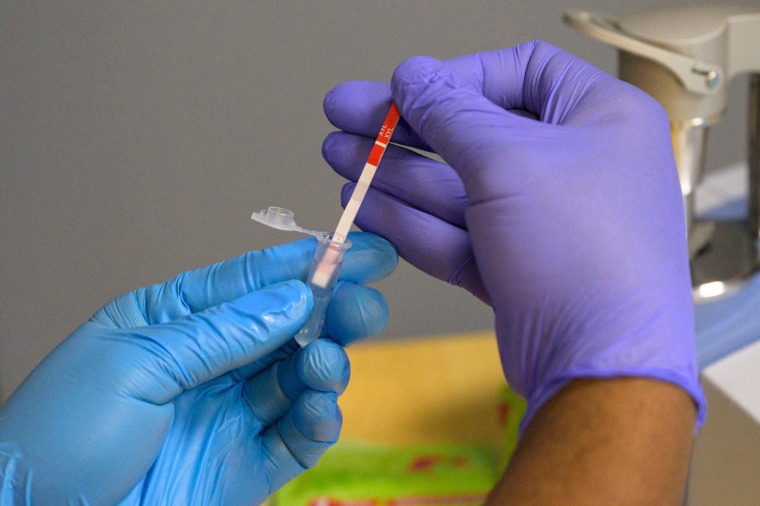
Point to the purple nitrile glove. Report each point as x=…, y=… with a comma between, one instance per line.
x=558, y=204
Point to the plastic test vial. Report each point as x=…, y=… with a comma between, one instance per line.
x=323, y=275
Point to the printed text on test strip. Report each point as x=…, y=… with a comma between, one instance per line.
x=362, y=185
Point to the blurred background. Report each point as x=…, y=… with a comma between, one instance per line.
x=136, y=138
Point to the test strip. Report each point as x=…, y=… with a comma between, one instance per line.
x=324, y=270
x=362, y=185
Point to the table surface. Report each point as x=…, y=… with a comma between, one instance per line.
x=424, y=390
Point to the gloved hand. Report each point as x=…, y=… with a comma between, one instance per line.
x=558, y=204
x=192, y=391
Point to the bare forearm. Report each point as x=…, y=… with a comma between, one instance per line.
x=617, y=441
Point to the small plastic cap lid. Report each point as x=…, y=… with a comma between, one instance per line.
x=276, y=217
x=281, y=219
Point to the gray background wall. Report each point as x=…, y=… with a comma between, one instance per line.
x=137, y=137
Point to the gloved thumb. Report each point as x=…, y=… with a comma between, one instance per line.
x=451, y=114
x=195, y=349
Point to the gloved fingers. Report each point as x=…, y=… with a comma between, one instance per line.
x=369, y=259
x=181, y=355
x=451, y=114
x=432, y=245
x=302, y=436
x=526, y=79
x=453, y=117
x=417, y=180
x=355, y=312
x=321, y=366
x=209, y=286
x=359, y=107
x=455, y=106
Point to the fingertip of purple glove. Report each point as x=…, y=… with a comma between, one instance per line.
x=425, y=71
x=328, y=104
x=338, y=153
x=345, y=192
x=348, y=104
x=376, y=249
x=416, y=68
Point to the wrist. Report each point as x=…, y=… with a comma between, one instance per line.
x=609, y=441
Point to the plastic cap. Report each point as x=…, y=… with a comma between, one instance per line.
x=281, y=219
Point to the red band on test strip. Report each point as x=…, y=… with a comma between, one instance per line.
x=375, y=155
x=384, y=137
x=391, y=120
x=378, y=149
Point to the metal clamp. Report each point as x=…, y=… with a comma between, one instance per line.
x=695, y=75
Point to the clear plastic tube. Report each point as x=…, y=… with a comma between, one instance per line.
x=331, y=248
x=323, y=275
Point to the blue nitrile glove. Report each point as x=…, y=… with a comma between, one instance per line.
x=559, y=205
x=192, y=391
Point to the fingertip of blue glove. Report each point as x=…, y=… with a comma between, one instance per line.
x=316, y=416
x=281, y=305
x=291, y=293
x=355, y=313
x=322, y=365
x=311, y=426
